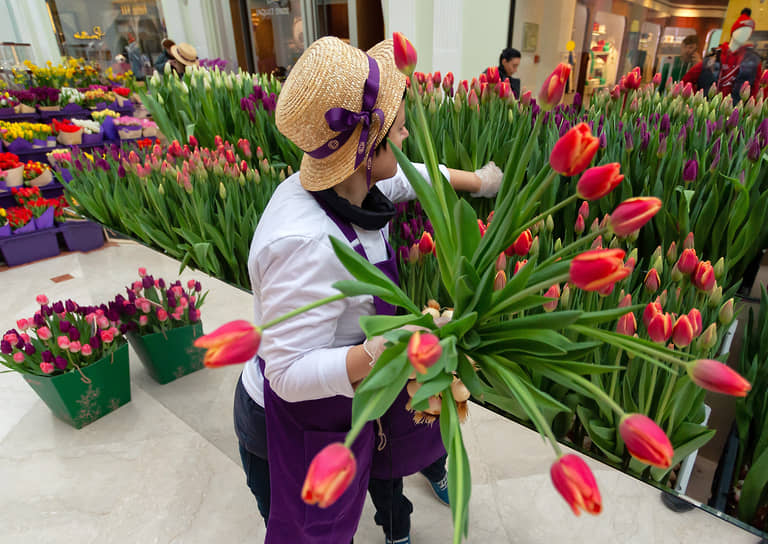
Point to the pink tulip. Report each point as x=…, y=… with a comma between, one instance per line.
x=645, y=440
x=552, y=90
x=75, y=347
x=682, y=332
x=329, y=475
x=18, y=357
x=575, y=482
x=584, y=210
x=41, y=300
x=232, y=343
x=633, y=213
x=44, y=333
x=424, y=350
x=715, y=376
x=86, y=350
x=687, y=262
x=47, y=368
x=627, y=324
x=162, y=315
x=142, y=271
x=22, y=324
x=63, y=342
x=107, y=336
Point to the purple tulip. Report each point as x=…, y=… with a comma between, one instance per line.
x=665, y=124
x=39, y=320
x=628, y=141
x=402, y=250
x=58, y=307
x=645, y=139
x=682, y=135
x=74, y=334
x=47, y=356
x=95, y=342
x=621, y=126
x=60, y=362
x=78, y=165
x=64, y=325
x=161, y=283
x=147, y=282
x=715, y=161
x=123, y=328
x=710, y=128
x=429, y=229
x=689, y=125
x=754, y=150
x=407, y=235
x=733, y=120
x=691, y=170
x=70, y=305
x=7, y=348
x=603, y=141
x=29, y=349
x=563, y=129
x=198, y=287
x=577, y=100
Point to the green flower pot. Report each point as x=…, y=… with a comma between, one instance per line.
x=169, y=354
x=73, y=399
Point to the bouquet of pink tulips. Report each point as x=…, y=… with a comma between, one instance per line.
x=499, y=341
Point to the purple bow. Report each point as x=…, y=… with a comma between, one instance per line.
x=345, y=122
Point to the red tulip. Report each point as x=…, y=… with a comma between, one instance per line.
x=579, y=227
x=657, y=79
x=493, y=75
x=715, y=376
x=574, y=481
x=482, y=227
x=526, y=97
x=405, y=54
x=424, y=350
x=694, y=316
x=652, y=281
x=633, y=213
x=329, y=475
x=232, y=343
x=598, y=181
x=660, y=327
x=426, y=244
x=646, y=441
x=552, y=91
x=574, y=151
x=688, y=261
x=627, y=324
x=473, y=100
x=632, y=79
x=595, y=269
x=553, y=293
x=504, y=90
x=519, y=265
x=522, y=245
x=688, y=243
x=448, y=83
x=704, y=276
x=682, y=331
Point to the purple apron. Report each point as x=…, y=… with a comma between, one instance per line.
x=297, y=431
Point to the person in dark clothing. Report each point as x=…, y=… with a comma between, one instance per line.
x=165, y=56
x=509, y=61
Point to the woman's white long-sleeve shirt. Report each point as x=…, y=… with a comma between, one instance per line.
x=291, y=263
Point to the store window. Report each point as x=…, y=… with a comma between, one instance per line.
x=99, y=31
x=607, y=38
x=277, y=34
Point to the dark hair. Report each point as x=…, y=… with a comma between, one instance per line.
x=747, y=12
x=508, y=54
x=382, y=146
x=691, y=39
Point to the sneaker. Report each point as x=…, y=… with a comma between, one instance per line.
x=404, y=540
x=440, y=489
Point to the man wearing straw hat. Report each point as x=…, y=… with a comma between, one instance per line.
x=344, y=108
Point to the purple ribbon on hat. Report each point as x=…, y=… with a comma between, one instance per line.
x=345, y=122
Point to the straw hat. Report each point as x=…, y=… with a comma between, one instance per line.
x=184, y=53
x=333, y=77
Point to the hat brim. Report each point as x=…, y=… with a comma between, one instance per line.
x=320, y=174
x=186, y=62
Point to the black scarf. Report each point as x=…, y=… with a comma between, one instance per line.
x=375, y=212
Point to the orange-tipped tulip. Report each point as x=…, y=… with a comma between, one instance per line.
x=633, y=213
x=500, y=280
x=682, y=331
x=652, y=281
x=522, y=245
x=695, y=318
x=553, y=293
x=715, y=376
x=598, y=181
x=660, y=328
x=627, y=324
x=688, y=261
x=596, y=269
x=405, y=54
x=646, y=441
x=552, y=91
x=650, y=311
x=233, y=343
x=704, y=276
x=426, y=244
x=576, y=483
x=574, y=151
x=424, y=350
x=329, y=475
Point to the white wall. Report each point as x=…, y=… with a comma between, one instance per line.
x=555, y=20
x=28, y=21
x=486, y=25
x=206, y=24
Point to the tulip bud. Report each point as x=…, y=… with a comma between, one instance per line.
x=658, y=264
x=672, y=253
x=500, y=280
x=715, y=376
x=719, y=268
x=715, y=296
x=565, y=297
x=534, y=251
x=627, y=324
x=646, y=441
x=682, y=332
x=501, y=262
x=574, y=481
x=584, y=210
x=558, y=245
x=553, y=293
x=633, y=213
x=405, y=54
x=725, y=315
x=549, y=223
x=424, y=350
x=690, y=171
x=652, y=281
x=662, y=298
x=579, y=226
x=329, y=475
x=552, y=91
x=745, y=91
x=708, y=338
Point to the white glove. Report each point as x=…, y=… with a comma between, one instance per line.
x=490, y=180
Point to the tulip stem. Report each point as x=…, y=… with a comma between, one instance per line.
x=645, y=352
x=546, y=284
x=589, y=386
x=303, y=309
x=573, y=245
x=544, y=214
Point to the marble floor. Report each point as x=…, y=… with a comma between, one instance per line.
x=164, y=468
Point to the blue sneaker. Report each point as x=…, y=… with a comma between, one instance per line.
x=404, y=540
x=440, y=489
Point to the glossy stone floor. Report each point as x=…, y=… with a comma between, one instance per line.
x=164, y=468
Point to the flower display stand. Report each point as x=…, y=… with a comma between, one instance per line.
x=81, y=397
x=169, y=355
x=25, y=248
x=82, y=235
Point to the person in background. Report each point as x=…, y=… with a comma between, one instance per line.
x=165, y=56
x=182, y=55
x=509, y=61
x=689, y=56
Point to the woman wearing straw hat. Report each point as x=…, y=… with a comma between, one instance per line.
x=340, y=105
x=182, y=55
